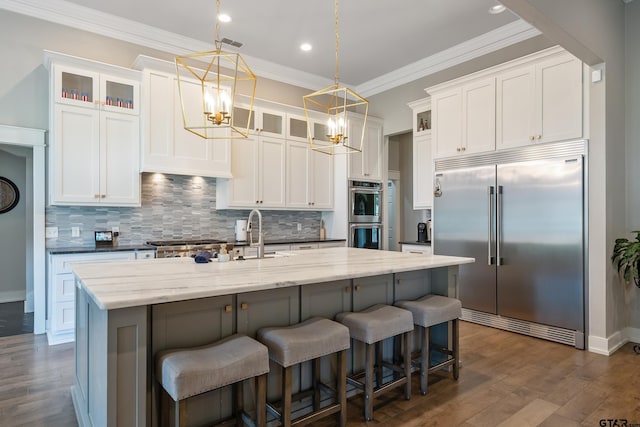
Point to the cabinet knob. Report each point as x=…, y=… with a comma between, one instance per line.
x=96, y=196
x=244, y=306
x=103, y=196
x=228, y=308
x=458, y=149
x=463, y=148
x=538, y=136
x=347, y=289
x=531, y=138
x=358, y=287
x=399, y=281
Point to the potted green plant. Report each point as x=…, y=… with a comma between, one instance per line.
x=626, y=257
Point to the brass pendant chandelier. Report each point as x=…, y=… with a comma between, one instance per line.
x=335, y=101
x=208, y=85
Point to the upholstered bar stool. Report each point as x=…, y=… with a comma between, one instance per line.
x=372, y=326
x=428, y=311
x=184, y=373
x=309, y=340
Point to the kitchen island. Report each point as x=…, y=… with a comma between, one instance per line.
x=128, y=311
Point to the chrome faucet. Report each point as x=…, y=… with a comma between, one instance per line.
x=260, y=244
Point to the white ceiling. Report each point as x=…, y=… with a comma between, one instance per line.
x=382, y=44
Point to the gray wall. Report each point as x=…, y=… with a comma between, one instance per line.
x=13, y=229
x=173, y=207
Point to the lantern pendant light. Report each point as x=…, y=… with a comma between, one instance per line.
x=335, y=101
x=209, y=84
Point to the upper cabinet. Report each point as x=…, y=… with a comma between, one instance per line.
x=540, y=103
x=366, y=165
x=422, y=154
x=167, y=146
x=464, y=118
x=309, y=177
x=95, y=133
x=535, y=99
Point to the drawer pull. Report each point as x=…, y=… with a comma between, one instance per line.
x=228, y=308
x=244, y=306
x=358, y=287
x=399, y=281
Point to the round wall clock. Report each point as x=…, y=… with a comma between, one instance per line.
x=9, y=195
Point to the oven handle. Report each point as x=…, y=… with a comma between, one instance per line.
x=365, y=190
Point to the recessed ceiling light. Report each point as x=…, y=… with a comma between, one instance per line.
x=494, y=10
x=305, y=47
x=224, y=17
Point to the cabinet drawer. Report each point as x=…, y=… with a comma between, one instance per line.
x=63, y=287
x=302, y=246
x=62, y=263
x=417, y=249
x=63, y=316
x=322, y=245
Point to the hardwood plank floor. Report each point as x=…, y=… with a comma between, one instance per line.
x=506, y=379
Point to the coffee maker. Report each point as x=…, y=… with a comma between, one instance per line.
x=424, y=232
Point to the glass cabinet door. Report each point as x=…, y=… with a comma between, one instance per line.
x=119, y=95
x=77, y=87
x=297, y=129
x=270, y=122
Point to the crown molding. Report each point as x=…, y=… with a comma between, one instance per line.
x=86, y=19
x=499, y=38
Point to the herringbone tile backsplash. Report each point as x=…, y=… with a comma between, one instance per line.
x=173, y=207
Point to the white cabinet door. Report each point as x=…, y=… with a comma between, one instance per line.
x=559, y=83
x=321, y=181
x=422, y=172
x=540, y=102
x=515, y=109
x=298, y=174
x=479, y=113
x=367, y=164
x=75, y=151
x=446, y=116
x=119, y=159
x=272, y=172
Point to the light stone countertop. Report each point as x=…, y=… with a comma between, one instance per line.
x=124, y=284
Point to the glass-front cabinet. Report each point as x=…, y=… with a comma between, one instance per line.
x=82, y=88
x=263, y=121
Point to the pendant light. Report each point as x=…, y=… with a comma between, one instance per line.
x=335, y=101
x=208, y=85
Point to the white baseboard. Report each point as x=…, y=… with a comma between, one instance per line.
x=632, y=334
x=12, y=296
x=608, y=346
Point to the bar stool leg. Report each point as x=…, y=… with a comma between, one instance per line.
x=316, y=383
x=368, y=380
x=424, y=360
x=261, y=401
x=378, y=363
x=407, y=365
x=341, y=388
x=286, y=397
x=455, y=331
x=239, y=405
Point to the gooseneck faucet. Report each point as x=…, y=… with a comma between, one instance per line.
x=260, y=244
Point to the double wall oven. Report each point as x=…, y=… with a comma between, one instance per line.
x=365, y=214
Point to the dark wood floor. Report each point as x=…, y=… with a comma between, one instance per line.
x=13, y=319
x=506, y=380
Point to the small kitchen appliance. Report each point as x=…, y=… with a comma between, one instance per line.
x=241, y=230
x=423, y=234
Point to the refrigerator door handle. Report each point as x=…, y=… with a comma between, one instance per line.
x=490, y=192
x=499, y=260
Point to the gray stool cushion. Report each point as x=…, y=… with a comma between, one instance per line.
x=376, y=323
x=188, y=372
x=308, y=340
x=432, y=309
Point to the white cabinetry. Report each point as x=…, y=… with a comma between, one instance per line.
x=417, y=249
x=366, y=165
x=535, y=99
x=258, y=167
x=167, y=146
x=464, y=118
x=95, y=127
x=61, y=289
x=540, y=102
x=309, y=178
x=422, y=155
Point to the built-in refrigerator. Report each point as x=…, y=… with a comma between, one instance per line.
x=520, y=214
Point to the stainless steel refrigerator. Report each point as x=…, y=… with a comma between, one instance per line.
x=521, y=216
